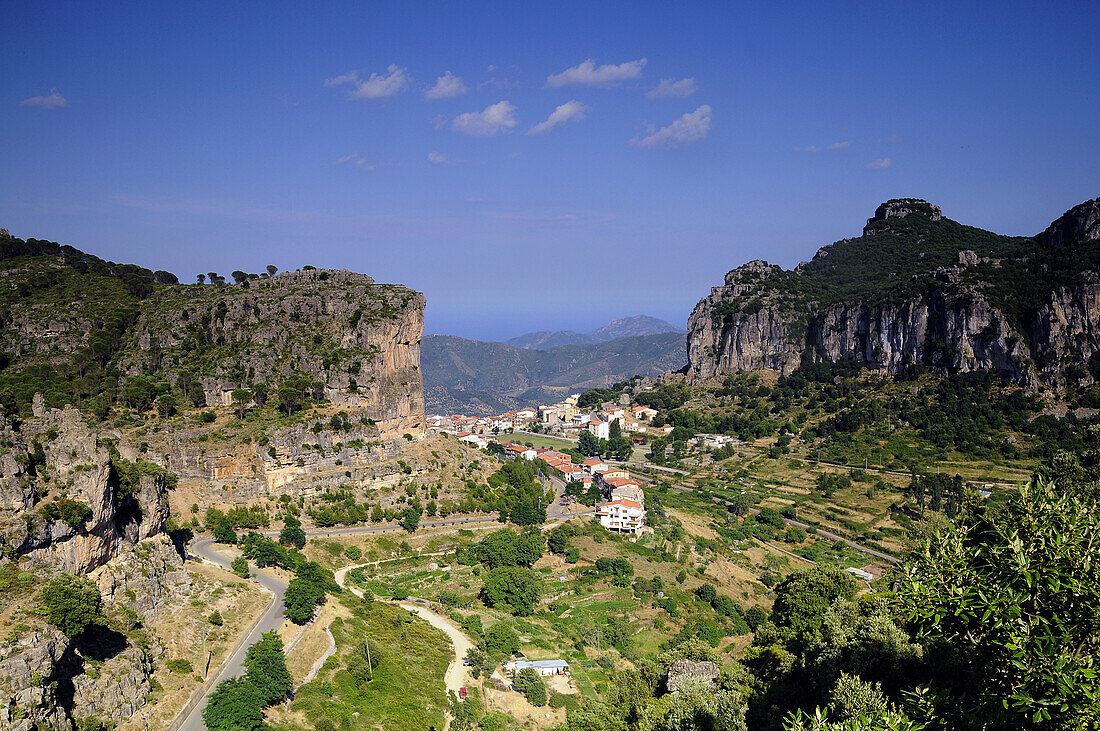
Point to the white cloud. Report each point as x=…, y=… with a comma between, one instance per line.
x=495, y=118
x=447, y=86
x=348, y=78
x=672, y=87
x=691, y=127
x=438, y=158
x=880, y=164
x=357, y=161
x=588, y=74
x=568, y=112
x=815, y=148
x=53, y=100
x=378, y=86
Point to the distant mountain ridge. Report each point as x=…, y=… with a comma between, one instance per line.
x=621, y=328
x=476, y=377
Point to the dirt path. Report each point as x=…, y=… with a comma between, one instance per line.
x=455, y=676
x=329, y=652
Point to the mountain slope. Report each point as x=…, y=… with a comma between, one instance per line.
x=480, y=378
x=917, y=289
x=621, y=328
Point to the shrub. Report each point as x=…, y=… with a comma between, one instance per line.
x=235, y=705
x=240, y=567
x=72, y=603
x=179, y=665
x=529, y=682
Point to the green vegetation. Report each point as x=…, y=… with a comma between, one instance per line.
x=71, y=603
x=72, y=512
x=404, y=685
x=530, y=683
x=238, y=704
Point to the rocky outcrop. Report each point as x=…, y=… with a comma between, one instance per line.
x=332, y=334
x=900, y=208
x=1079, y=224
x=144, y=577
x=27, y=660
x=952, y=318
x=52, y=680
x=354, y=341
x=57, y=460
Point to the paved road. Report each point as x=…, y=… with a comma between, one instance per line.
x=271, y=619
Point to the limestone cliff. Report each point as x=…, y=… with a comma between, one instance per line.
x=63, y=502
x=356, y=341
x=917, y=289
x=98, y=335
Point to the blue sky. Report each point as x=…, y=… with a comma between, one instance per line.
x=577, y=162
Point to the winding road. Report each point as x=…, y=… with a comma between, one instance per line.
x=190, y=718
x=271, y=619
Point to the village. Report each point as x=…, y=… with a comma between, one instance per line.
x=620, y=506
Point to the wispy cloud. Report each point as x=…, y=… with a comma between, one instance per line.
x=691, y=127
x=438, y=158
x=880, y=164
x=447, y=86
x=53, y=100
x=494, y=118
x=587, y=73
x=672, y=88
x=569, y=112
x=357, y=161
x=814, y=148
x=377, y=86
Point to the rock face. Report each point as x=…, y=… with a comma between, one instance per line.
x=52, y=680
x=70, y=319
x=1028, y=309
x=56, y=460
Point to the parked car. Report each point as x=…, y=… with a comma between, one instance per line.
x=462, y=693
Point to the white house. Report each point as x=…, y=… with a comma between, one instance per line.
x=582, y=419
x=599, y=429
x=643, y=413
x=520, y=451
x=613, y=413
x=475, y=439
x=542, y=667
x=622, y=516
x=628, y=491
x=595, y=466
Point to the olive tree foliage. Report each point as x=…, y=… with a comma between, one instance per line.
x=71, y=603
x=1007, y=601
x=531, y=684
x=235, y=705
